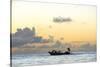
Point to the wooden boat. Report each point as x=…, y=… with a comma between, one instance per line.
x=57, y=53
x=54, y=52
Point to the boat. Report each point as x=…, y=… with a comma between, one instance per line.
x=54, y=52
x=57, y=53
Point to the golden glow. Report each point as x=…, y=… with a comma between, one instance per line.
x=40, y=15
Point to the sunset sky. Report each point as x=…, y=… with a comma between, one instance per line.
x=40, y=15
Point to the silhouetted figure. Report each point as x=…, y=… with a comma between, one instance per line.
x=68, y=49
x=54, y=51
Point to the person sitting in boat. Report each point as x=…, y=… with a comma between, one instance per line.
x=54, y=51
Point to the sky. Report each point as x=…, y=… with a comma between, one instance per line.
x=82, y=26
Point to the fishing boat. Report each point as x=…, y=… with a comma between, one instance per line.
x=54, y=52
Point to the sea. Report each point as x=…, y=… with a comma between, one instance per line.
x=26, y=60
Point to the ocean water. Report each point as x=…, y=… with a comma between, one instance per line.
x=25, y=60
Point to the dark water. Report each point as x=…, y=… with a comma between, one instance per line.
x=24, y=60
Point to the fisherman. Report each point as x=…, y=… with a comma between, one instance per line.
x=54, y=51
x=68, y=49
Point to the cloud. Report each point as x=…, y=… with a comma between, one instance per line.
x=88, y=47
x=24, y=36
x=61, y=19
x=26, y=39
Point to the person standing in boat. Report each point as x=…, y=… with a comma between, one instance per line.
x=68, y=49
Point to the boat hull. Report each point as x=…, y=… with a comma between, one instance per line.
x=66, y=53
